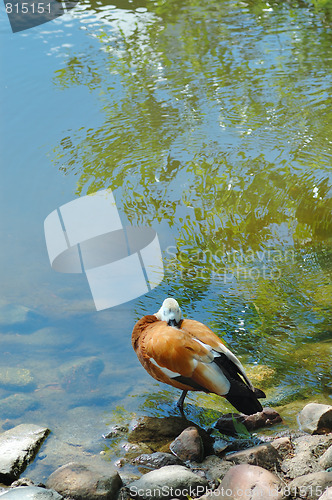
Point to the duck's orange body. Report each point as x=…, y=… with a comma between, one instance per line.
x=190, y=357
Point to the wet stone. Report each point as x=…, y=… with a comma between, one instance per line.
x=18, y=447
x=264, y=455
x=156, y=460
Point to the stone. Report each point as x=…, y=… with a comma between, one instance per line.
x=311, y=486
x=18, y=447
x=188, y=445
x=156, y=460
x=249, y=482
x=31, y=493
x=327, y=495
x=316, y=418
x=264, y=455
x=158, y=432
x=171, y=481
x=214, y=468
x=116, y=431
x=85, y=482
x=326, y=459
x=17, y=404
x=228, y=423
x=307, y=450
x=15, y=378
x=80, y=374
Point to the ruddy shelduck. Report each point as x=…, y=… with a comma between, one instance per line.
x=186, y=354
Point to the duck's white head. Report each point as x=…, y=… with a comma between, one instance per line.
x=170, y=312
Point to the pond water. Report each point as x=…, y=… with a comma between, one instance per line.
x=210, y=121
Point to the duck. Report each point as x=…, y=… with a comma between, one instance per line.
x=186, y=354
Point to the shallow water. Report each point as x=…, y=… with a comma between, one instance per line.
x=211, y=122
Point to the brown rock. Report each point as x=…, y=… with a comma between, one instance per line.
x=264, y=455
x=316, y=418
x=82, y=482
x=248, y=482
x=265, y=418
x=158, y=432
x=188, y=445
x=310, y=486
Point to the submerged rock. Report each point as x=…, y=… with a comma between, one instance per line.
x=172, y=481
x=316, y=418
x=16, y=404
x=18, y=447
x=18, y=317
x=15, y=378
x=80, y=374
x=86, y=482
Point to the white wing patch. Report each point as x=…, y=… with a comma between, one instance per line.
x=165, y=371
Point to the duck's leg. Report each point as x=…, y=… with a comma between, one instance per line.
x=179, y=404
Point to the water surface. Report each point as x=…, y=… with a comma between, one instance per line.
x=211, y=122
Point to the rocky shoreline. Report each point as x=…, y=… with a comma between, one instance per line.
x=171, y=457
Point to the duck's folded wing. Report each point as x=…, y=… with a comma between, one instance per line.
x=179, y=358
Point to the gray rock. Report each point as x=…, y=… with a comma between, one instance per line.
x=316, y=418
x=172, y=481
x=80, y=374
x=229, y=423
x=326, y=459
x=15, y=378
x=86, y=482
x=311, y=486
x=327, y=495
x=264, y=455
x=16, y=404
x=188, y=445
x=18, y=447
x=31, y=493
x=307, y=450
x=248, y=482
x=214, y=468
x=156, y=460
